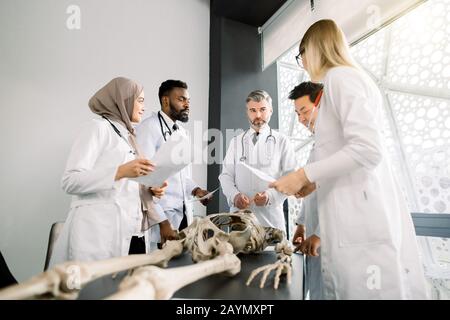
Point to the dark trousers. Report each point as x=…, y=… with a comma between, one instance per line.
x=183, y=223
x=137, y=245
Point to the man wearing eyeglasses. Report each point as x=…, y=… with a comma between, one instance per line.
x=299, y=58
x=151, y=134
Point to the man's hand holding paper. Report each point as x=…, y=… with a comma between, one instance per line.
x=253, y=190
x=203, y=195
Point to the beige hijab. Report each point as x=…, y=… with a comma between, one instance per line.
x=115, y=101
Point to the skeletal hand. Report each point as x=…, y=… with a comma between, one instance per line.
x=282, y=266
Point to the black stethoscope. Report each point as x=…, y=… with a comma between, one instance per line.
x=120, y=135
x=164, y=134
x=168, y=131
x=269, y=138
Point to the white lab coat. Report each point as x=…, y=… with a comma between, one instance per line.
x=180, y=186
x=275, y=159
x=313, y=271
x=368, y=243
x=104, y=214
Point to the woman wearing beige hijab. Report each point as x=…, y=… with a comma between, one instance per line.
x=109, y=212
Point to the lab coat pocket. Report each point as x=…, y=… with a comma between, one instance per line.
x=93, y=233
x=360, y=212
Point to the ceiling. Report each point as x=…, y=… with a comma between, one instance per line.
x=252, y=12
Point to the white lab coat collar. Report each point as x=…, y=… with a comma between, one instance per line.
x=169, y=121
x=263, y=131
x=123, y=131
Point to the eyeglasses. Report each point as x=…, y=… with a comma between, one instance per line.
x=299, y=59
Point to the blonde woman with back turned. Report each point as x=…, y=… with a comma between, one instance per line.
x=368, y=244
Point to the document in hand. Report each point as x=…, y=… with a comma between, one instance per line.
x=171, y=157
x=257, y=181
x=207, y=196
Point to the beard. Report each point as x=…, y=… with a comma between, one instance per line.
x=182, y=115
x=257, y=123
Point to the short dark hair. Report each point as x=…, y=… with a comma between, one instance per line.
x=168, y=85
x=306, y=88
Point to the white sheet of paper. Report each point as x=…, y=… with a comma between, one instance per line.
x=207, y=196
x=171, y=157
x=258, y=181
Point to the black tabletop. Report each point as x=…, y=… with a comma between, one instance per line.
x=221, y=286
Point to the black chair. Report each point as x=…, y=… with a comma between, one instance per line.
x=6, y=278
x=54, y=233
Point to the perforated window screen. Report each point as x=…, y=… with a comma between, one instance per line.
x=410, y=62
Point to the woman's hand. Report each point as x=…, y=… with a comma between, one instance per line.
x=291, y=183
x=306, y=190
x=134, y=168
x=158, y=191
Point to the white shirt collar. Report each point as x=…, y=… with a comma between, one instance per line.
x=262, y=131
x=169, y=121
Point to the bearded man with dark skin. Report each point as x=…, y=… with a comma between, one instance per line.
x=175, y=211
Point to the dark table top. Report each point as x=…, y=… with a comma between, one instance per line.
x=220, y=286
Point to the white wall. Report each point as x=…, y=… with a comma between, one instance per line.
x=47, y=75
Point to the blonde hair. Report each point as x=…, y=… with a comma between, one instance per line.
x=325, y=47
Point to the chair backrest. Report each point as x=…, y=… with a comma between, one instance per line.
x=6, y=278
x=54, y=233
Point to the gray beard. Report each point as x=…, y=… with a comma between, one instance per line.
x=257, y=126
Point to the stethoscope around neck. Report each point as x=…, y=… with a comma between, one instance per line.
x=120, y=135
x=164, y=132
x=269, y=138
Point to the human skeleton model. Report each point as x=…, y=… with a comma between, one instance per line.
x=213, y=242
